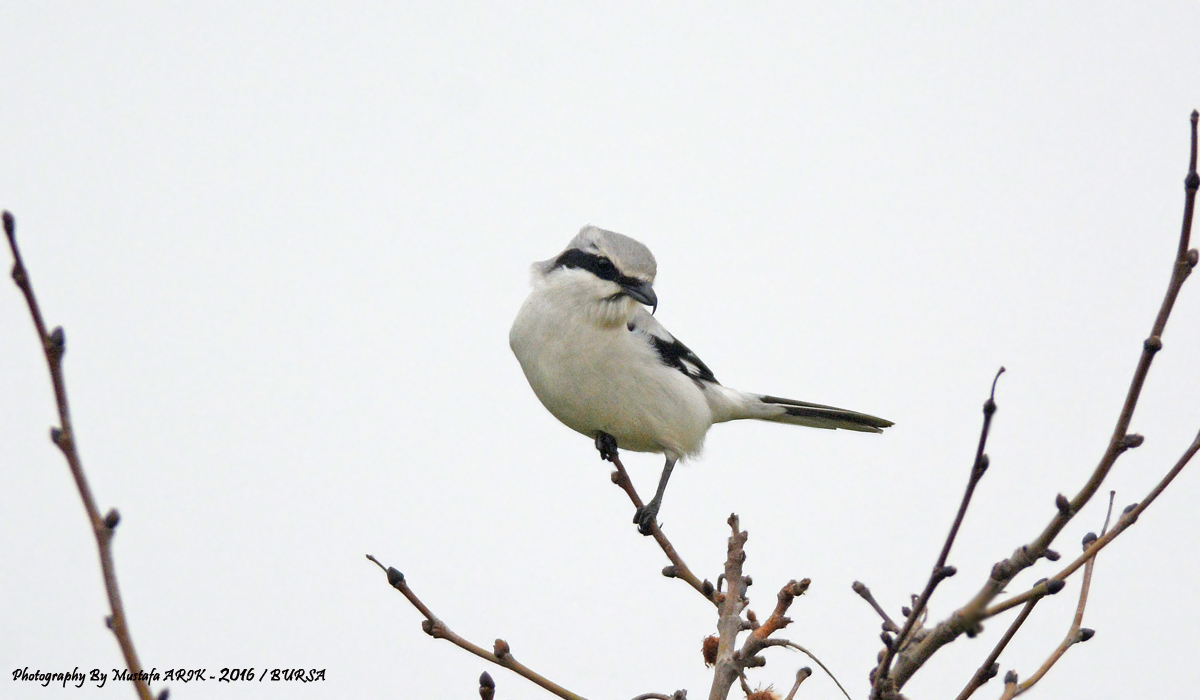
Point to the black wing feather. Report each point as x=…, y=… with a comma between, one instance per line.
x=675, y=354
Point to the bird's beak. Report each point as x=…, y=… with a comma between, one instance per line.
x=642, y=292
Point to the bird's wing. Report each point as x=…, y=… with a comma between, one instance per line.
x=670, y=351
x=731, y=404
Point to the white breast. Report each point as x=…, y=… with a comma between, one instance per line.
x=599, y=376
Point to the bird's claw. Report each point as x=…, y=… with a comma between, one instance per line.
x=644, y=517
x=607, y=445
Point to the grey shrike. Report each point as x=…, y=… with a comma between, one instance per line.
x=606, y=368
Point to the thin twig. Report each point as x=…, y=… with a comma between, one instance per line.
x=801, y=676
x=940, y=571
x=865, y=593
x=1010, y=686
x=968, y=616
x=1039, y=590
x=809, y=654
x=1076, y=633
x=744, y=683
x=988, y=669
x=678, y=569
x=53, y=346
x=501, y=654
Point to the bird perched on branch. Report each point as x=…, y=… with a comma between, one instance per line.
x=605, y=367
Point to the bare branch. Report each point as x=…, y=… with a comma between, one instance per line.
x=760, y=638
x=501, y=655
x=940, y=571
x=865, y=593
x=1077, y=633
x=54, y=346
x=988, y=669
x=968, y=616
x=678, y=569
x=1039, y=590
x=1127, y=519
x=730, y=604
x=777, y=620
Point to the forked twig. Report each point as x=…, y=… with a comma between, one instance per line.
x=731, y=661
x=103, y=527
x=1045, y=587
x=1077, y=633
x=989, y=668
x=969, y=615
x=1124, y=522
x=501, y=654
x=809, y=654
x=1130, y=515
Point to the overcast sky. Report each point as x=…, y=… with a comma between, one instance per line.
x=287, y=243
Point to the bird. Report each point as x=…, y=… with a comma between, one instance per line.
x=604, y=366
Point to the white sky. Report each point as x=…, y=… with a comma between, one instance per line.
x=287, y=243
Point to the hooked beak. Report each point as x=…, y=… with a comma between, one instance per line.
x=641, y=292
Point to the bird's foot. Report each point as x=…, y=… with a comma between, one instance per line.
x=607, y=445
x=645, y=516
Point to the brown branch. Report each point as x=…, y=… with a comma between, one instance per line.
x=1130, y=515
x=1124, y=522
x=501, y=655
x=729, y=623
x=103, y=527
x=865, y=593
x=678, y=569
x=1091, y=546
x=760, y=636
x=988, y=669
x=777, y=620
x=882, y=678
x=1077, y=633
x=969, y=615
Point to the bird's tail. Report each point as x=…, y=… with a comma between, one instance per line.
x=741, y=404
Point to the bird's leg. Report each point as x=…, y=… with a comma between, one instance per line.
x=607, y=444
x=644, y=517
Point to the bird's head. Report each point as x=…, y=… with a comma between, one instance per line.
x=608, y=270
